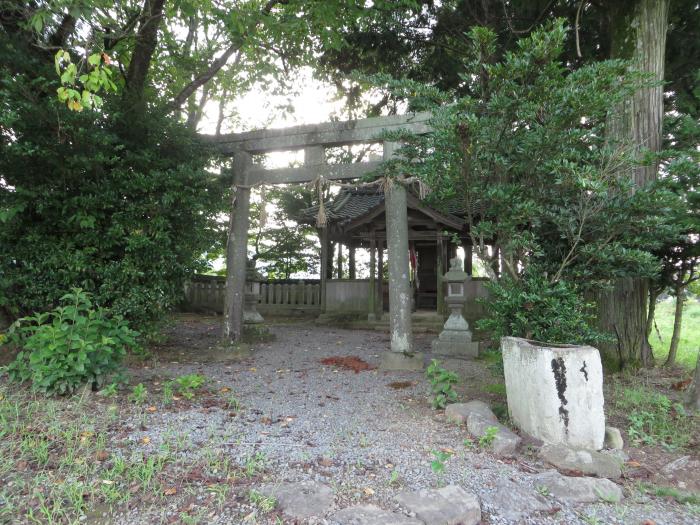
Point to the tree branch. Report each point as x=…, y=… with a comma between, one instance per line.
x=220, y=62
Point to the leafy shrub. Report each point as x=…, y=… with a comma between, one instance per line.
x=187, y=384
x=654, y=419
x=441, y=381
x=534, y=308
x=70, y=346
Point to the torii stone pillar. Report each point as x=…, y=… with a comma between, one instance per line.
x=372, y=292
x=236, y=250
x=401, y=355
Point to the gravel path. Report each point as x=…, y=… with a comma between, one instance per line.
x=354, y=432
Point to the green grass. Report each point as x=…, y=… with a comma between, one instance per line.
x=690, y=332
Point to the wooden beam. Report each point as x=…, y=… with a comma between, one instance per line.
x=326, y=134
x=258, y=174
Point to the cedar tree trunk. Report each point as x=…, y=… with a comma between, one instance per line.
x=638, y=34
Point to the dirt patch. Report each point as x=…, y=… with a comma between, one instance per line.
x=350, y=362
x=399, y=385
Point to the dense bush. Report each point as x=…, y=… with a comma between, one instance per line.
x=73, y=345
x=84, y=203
x=534, y=308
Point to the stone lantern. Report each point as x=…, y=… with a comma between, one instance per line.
x=252, y=295
x=456, y=338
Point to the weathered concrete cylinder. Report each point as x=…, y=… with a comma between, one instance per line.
x=555, y=392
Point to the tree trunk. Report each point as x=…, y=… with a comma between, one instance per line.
x=677, y=325
x=651, y=311
x=638, y=34
x=145, y=46
x=694, y=397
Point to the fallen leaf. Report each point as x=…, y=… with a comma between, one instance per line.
x=325, y=462
x=107, y=482
x=633, y=464
x=151, y=409
x=170, y=491
x=224, y=390
x=101, y=455
x=145, y=440
x=368, y=491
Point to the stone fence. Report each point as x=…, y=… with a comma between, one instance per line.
x=303, y=298
x=283, y=297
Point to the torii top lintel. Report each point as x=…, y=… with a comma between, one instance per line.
x=312, y=138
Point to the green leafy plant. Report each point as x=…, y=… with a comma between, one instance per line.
x=72, y=345
x=534, y=308
x=441, y=384
x=263, y=503
x=654, y=419
x=167, y=393
x=188, y=384
x=138, y=394
x=438, y=464
x=110, y=390
x=487, y=439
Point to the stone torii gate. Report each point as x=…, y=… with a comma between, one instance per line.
x=313, y=139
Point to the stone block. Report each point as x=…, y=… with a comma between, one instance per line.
x=504, y=442
x=400, y=361
x=513, y=501
x=451, y=505
x=555, y=392
x=301, y=500
x=568, y=489
x=613, y=438
x=459, y=412
x=371, y=515
x=587, y=462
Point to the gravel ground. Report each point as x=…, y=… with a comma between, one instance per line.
x=351, y=431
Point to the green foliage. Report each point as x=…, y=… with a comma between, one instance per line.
x=188, y=384
x=138, y=394
x=534, y=308
x=526, y=155
x=438, y=464
x=487, y=439
x=281, y=245
x=81, y=82
x=441, y=384
x=654, y=419
x=126, y=222
x=689, y=343
x=70, y=346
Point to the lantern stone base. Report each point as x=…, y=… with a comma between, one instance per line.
x=455, y=344
x=250, y=313
x=455, y=338
x=401, y=361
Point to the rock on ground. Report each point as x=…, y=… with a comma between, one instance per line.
x=302, y=499
x=459, y=412
x=478, y=417
x=451, y=505
x=514, y=502
x=570, y=489
x=683, y=472
x=588, y=462
x=613, y=438
x=371, y=515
